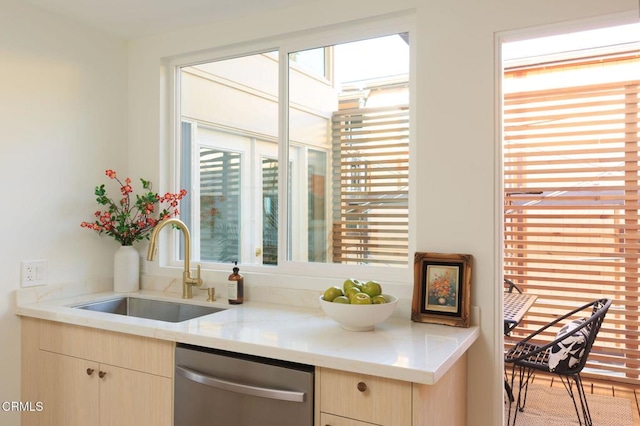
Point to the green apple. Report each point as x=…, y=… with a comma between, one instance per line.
x=332, y=292
x=361, y=299
x=372, y=288
x=352, y=291
x=341, y=299
x=378, y=300
x=351, y=282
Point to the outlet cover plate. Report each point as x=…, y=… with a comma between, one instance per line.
x=34, y=273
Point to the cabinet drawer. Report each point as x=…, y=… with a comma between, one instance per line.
x=331, y=420
x=366, y=398
x=137, y=353
x=124, y=350
x=67, y=339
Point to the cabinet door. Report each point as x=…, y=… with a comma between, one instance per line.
x=31, y=367
x=68, y=390
x=330, y=420
x=133, y=398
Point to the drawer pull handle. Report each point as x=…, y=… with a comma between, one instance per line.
x=89, y=371
x=102, y=374
x=362, y=386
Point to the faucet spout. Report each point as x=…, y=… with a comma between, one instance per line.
x=188, y=281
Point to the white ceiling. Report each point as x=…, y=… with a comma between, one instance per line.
x=138, y=18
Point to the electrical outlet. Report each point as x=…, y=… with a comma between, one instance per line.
x=34, y=273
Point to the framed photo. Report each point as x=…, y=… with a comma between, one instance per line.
x=442, y=289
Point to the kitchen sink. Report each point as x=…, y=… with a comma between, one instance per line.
x=151, y=309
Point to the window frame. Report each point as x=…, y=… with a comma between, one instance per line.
x=284, y=45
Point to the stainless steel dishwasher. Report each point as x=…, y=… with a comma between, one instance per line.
x=220, y=388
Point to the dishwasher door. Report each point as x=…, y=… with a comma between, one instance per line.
x=219, y=388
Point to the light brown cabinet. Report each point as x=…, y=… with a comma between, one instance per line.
x=365, y=398
x=351, y=399
x=85, y=376
x=70, y=396
x=62, y=365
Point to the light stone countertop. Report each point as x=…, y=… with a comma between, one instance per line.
x=398, y=348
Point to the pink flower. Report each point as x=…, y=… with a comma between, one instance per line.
x=129, y=219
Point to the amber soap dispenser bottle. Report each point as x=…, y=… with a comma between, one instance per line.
x=236, y=287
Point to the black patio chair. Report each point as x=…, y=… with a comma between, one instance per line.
x=565, y=356
x=510, y=286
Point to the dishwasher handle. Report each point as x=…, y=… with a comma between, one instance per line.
x=257, y=391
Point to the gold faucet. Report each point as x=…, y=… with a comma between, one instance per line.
x=187, y=280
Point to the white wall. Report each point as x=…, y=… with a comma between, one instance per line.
x=455, y=118
x=63, y=118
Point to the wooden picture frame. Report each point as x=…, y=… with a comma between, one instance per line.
x=442, y=289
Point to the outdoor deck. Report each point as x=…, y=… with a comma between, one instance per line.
x=618, y=390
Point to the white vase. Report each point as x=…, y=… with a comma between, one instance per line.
x=126, y=270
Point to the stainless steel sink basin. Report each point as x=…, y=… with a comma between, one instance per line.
x=151, y=309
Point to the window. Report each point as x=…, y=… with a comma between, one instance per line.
x=571, y=162
x=331, y=186
x=373, y=167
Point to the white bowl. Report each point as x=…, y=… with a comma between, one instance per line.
x=359, y=317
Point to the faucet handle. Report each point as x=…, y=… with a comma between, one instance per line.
x=198, y=277
x=190, y=280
